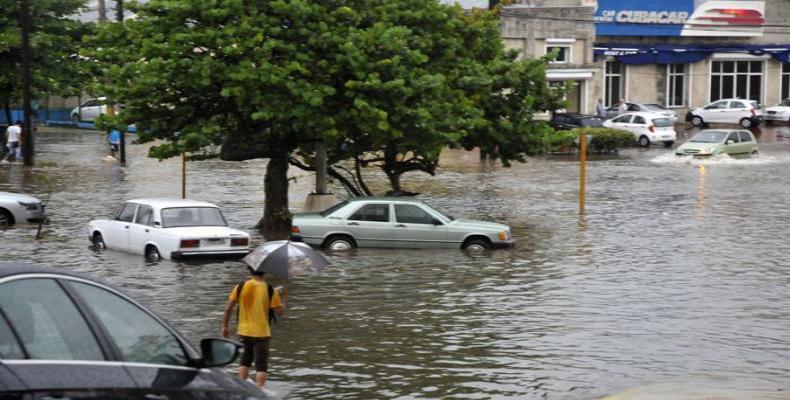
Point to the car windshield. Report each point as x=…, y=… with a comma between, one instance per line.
x=655, y=107
x=785, y=102
x=334, y=208
x=192, y=216
x=592, y=122
x=443, y=214
x=709, y=137
x=662, y=122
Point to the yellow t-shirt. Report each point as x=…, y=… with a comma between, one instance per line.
x=254, y=308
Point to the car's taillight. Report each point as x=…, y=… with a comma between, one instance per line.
x=190, y=243
x=295, y=229
x=239, y=241
x=652, y=128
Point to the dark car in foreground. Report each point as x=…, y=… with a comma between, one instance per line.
x=568, y=121
x=67, y=336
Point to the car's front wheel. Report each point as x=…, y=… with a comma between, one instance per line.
x=152, y=254
x=6, y=219
x=476, y=244
x=98, y=241
x=339, y=243
x=746, y=123
x=697, y=121
x=644, y=141
x=75, y=117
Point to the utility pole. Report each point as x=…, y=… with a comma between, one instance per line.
x=27, y=131
x=122, y=149
x=102, y=11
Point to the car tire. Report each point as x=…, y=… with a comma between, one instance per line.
x=755, y=153
x=6, y=218
x=98, y=241
x=339, y=243
x=75, y=118
x=669, y=143
x=644, y=141
x=746, y=123
x=476, y=244
x=152, y=253
x=697, y=121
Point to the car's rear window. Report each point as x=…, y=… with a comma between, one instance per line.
x=591, y=122
x=655, y=107
x=662, y=122
x=334, y=208
x=192, y=216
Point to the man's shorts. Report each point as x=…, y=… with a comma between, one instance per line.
x=257, y=348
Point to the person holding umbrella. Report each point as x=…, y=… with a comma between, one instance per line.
x=255, y=298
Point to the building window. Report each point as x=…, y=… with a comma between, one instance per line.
x=676, y=85
x=614, y=82
x=563, y=53
x=785, y=81
x=736, y=79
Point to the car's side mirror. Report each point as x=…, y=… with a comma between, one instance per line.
x=218, y=352
x=729, y=141
x=437, y=222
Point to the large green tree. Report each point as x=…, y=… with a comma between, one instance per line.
x=55, y=40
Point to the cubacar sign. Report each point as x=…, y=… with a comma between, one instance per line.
x=680, y=18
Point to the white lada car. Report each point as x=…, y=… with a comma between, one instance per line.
x=169, y=228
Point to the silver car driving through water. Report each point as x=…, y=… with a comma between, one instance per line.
x=395, y=223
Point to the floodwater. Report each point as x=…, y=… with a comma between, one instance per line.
x=676, y=278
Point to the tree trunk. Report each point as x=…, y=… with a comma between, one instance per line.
x=394, y=178
x=276, y=217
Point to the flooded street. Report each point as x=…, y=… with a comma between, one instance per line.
x=677, y=275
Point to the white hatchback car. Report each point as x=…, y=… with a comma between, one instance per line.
x=16, y=208
x=746, y=113
x=89, y=110
x=169, y=228
x=647, y=127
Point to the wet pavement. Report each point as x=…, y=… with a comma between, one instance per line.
x=676, y=276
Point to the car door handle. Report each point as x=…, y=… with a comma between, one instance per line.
x=146, y=230
x=400, y=226
x=353, y=223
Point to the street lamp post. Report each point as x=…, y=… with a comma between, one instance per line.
x=27, y=131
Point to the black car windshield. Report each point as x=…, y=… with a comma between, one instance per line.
x=662, y=122
x=192, y=216
x=709, y=137
x=334, y=208
x=592, y=122
x=655, y=107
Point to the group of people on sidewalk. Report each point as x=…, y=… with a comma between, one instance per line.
x=257, y=302
x=13, y=141
x=600, y=109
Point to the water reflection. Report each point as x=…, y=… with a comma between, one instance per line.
x=677, y=270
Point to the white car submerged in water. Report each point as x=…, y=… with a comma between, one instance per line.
x=169, y=228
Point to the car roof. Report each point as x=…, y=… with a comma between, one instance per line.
x=577, y=115
x=734, y=99
x=646, y=114
x=384, y=198
x=16, y=268
x=166, y=202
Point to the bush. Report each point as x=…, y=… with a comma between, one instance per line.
x=604, y=140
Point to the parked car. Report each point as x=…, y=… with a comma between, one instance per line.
x=746, y=113
x=647, y=127
x=90, y=109
x=169, y=228
x=395, y=223
x=613, y=110
x=712, y=142
x=779, y=112
x=568, y=121
x=68, y=336
x=18, y=208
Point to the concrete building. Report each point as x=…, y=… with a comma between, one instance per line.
x=678, y=53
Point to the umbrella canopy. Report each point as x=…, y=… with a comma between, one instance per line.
x=285, y=258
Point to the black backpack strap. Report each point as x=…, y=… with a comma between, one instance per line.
x=272, y=314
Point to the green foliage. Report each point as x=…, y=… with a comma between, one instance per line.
x=55, y=40
x=603, y=140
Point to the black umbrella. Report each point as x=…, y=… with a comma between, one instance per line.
x=285, y=258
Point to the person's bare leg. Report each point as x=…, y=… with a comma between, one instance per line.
x=244, y=372
x=260, y=379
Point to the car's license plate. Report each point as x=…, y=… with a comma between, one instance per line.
x=214, y=241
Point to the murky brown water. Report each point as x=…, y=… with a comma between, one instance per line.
x=677, y=275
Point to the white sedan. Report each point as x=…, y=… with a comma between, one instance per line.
x=169, y=228
x=647, y=128
x=779, y=112
x=16, y=208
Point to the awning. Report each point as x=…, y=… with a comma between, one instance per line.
x=683, y=54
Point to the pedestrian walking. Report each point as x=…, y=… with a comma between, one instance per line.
x=600, y=109
x=14, y=141
x=622, y=107
x=257, y=301
x=114, y=140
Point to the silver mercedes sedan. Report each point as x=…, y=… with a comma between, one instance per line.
x=395, y=223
